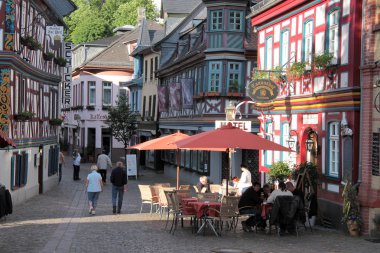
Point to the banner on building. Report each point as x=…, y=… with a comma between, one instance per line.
x=187, y=85
x=175, y=96
x=67, y=80
x=162, y=92
x=54, y=36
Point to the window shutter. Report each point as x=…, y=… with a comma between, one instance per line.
x=12, y=172
x=26, y=160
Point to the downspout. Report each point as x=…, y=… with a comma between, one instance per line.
x=361, y=92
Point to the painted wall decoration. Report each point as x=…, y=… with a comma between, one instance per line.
x=5, y=95
x=175, y=96
x=162, y=92
x=263, y=90
x=9, y=31
x=187, y=85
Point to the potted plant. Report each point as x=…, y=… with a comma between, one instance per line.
x=233, y=88
x=296, y=70
x=257, y=74
x=24, y=116
x=60, y=61
x=277, y=75
x=56, y=122
x=48, y=56
x=279, y=172
x=321, y=62
x=30, y=42
x=351, y=208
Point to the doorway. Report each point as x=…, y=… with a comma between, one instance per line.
x=40, y=170
x=106, y=141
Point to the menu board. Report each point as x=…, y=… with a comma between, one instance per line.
x=375, y=154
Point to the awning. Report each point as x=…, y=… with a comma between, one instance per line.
x=5, y=141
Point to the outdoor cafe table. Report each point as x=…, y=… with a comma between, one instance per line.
x=204, y=210
x=185, y=201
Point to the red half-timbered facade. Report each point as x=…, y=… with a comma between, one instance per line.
x=29, y=79
x=323, y=104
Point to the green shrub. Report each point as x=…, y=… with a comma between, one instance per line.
x=279, y=171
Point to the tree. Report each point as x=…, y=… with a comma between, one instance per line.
x=127, y=12
x=122, y=121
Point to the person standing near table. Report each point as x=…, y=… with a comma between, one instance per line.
x=119, y=180
x=94, y=185
x=245, y=179
x=104, y=163
x=61, y=161
x=76, y=165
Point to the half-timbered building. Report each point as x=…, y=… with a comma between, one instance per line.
x=31, y=71
x=321, y=105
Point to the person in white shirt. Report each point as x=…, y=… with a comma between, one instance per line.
x=104, y=163
x=94, y=186
x=245, y=179
x=76, y=165
x=281, y=191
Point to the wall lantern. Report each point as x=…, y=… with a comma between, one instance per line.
x=230, y=112
x=292, y=141
x=309, y=144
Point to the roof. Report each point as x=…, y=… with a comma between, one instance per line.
x=61, y=7
x=150, y=32
x=101, y=42
x=115, y=55
x=179, y=6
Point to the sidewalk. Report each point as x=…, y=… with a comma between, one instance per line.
x=58, y=221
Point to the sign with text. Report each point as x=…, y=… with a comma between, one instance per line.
x=131, y=165
x=263, y=90
x=55, y=33
x=243, y=125
x=310, y=119
x=67, y=80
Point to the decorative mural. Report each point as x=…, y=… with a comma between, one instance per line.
x=9, y=31
x=5, y=95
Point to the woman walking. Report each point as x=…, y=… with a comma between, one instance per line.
x=94, y=185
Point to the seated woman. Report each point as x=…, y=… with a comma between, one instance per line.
x=203, y=186
x=281, y=191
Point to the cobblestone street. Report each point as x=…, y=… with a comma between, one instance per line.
x=58, y=221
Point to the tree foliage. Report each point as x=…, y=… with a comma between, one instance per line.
x=122, y=121
x=95, y=19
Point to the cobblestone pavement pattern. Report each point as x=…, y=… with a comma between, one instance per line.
x=58, y=221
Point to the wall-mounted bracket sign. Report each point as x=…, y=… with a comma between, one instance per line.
x=262, y=90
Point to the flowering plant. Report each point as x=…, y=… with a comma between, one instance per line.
x=351, y=205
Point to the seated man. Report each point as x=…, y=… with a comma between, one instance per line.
x=249, y=203
x=296, y=192
x=281, y=191
x=203, y=186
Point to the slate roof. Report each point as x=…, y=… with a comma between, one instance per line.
x=150, y=32
x=101, y=42
x=115, y=55
x=179, y=6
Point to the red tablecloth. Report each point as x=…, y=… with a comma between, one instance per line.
x=185, y=201
x=265, y=209
x=203, y=208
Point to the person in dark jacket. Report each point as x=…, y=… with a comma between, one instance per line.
x=249, y=203
x=119, y=181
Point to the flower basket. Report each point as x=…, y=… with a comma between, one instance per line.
x=296, y=71
x=351, y=208
x=322, y=61
x=23, y=116
x=48, y=56
x=56, y=122
x=90, y=107
x=60, y=61
x=30, y=42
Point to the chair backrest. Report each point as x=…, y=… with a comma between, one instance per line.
x=182, y=194
x=174, y=201
x=195, y=188
x=169, y=198
x=162, y=184
x=229, y=207
x=162, y=197
x=155, y=190
x=212, y=197
x=215, y=188
x=184, y=187
x=145, y=192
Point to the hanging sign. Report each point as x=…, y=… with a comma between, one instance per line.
x=263, y=90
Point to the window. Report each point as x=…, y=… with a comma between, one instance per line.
x=53, y=161
x=19, y=170
x=234, y=73
x=107, y=93
x=91, y=93
x=151, y=69
x=333, y=166
x=284, y=140
x=146, y=70
x=308, y=41
x=215, y=76
x=216, y=20
x=333, y=33
x=268, y=53
x=235, y=21
x=155, y=66
x=81, y=93
x=284, y=47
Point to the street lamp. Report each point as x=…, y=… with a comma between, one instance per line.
x=230, y=112
x=309, y=144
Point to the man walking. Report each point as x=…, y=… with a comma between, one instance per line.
x=104, y=163
x=61, y=161
x=76, y=165
x=119, y=181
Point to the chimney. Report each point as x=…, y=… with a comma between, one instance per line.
x=140, y=14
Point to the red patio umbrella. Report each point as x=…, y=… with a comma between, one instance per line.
x=264, y=169
x=166, y=142
x=228, y=138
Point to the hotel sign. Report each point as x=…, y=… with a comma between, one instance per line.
x=243, y=125
x=263, y=90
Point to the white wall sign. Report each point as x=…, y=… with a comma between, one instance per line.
x=55, y=32
x=131, y=165
x=243, y=125
x=310, y=118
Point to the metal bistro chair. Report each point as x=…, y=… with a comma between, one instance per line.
x=229, y=213
x=215, y=188
x=180, y=212
x=170, y=206
x=185, y=187
x=146, y=197
x=211, y=197
x=155, y=191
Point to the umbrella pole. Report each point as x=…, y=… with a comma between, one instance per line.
x=178, y=162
